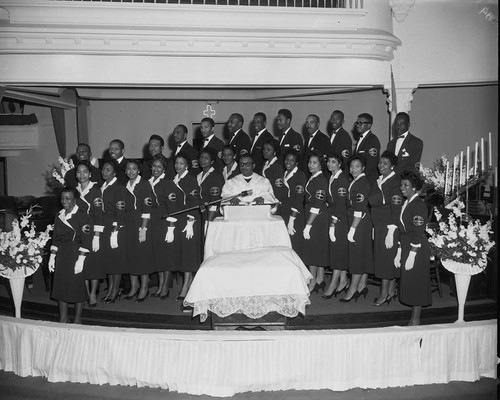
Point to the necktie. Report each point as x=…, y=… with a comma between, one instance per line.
x=401, y=136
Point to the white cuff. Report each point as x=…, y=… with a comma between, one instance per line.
x=83, y=250
x=314, y=210
x=358, y=214
x=212, y=208
x=146, y=216
x=416, y=245
x=53, y=248
x=99, y=228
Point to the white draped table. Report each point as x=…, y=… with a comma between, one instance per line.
x=224, y=236
x=251, y=269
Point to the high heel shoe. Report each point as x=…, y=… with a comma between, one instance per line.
x=109, y=300
x=354, y=297
x=387, y=299
x=322, y=286
x=92, y=305
x=328, y=296
x=141, y=299
x=130, y=297
x=344, y=289
x=363, y=292
x=164, y=296
x=180, y=298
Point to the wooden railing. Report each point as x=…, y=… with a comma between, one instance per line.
x=348, y=4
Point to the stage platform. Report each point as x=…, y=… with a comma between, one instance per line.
x=321, y=314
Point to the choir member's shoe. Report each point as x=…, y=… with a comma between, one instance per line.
x=363, y=292
x=130, y=297
x=344, y=289
x=109, y=300
x=354, y=297
x=385, y=300
x=315, y=288
x=186, y=309
x=322, y=286
x=92, y=305
x=328, y=296
x=141, y=299
x=180, y=298
x=164, y=296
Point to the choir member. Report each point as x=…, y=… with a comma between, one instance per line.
x=139, y=241
x=360, y=230
x=273, y=169
x=210, y=183
x=70, y=245
x=386, y=200
x=113, y=237
x=315, y=250
x=292, y=201
x=231, y=167
x=89, y=202
x=337, y=206
x=414, y=252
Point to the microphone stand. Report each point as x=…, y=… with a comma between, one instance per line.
x=203, y=207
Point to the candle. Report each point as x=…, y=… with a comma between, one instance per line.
x=483, y=165
x=460, y=177
x=446, y=178
x=490, y=158
x=453, y=174
x=475, y=158
x=467, y=164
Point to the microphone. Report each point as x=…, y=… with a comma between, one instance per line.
x=248, y=192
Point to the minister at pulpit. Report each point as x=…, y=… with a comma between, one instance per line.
x=262, y=191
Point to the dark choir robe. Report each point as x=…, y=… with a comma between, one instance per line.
x=217, y=145
x=71, y=236
x=166, y=200
x=361, y=251
x=292, y=196
x=369, y=148
x=210, y=186
x=318, y=144
x=191, y=152
x=256, y=150
x=138, y=206
x=90, y=203
x=386, y=201
x=338, y=186
x=273, y=171
x=113, y=197
x=316, y=250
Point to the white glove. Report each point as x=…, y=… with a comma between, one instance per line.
x=389, y=238
x=291, y=229
x=189, y=228
x=142, y=234
x=95, y=244
x=332, y=234
x=79, y=264
x=52, y=262
x=113, y=240
x=169, y=237
x=350, y=235
x=410, y=261
x=397, y=259
x=306, y=231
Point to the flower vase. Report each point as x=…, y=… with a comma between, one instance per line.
x=462, y=283
x=17, y=288
x=462, y=272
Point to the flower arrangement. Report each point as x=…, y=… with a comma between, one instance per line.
x=22, y=247
x=64, y=166
x=435, y=177
x=459, y=239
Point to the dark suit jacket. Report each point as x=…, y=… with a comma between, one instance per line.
x=370, y=150
x=95, y=176
x=257, y=150
x=319, y=144
x=342, y=144
x=191, y=152
x=409, y=155
x=241, y=144
x=292, y=140
x=120, y=174
x=217, y=145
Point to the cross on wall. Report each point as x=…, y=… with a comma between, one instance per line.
x=209, y=111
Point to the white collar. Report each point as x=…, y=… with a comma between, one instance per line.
x=64, y=217
x=83, y=192
x=152, y=180
x=131, y=186
x=381, y=180
x=105, y=185
x=201, y=177
x=178, y=177
x=337, y=174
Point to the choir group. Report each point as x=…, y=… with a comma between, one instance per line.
x=347, y=207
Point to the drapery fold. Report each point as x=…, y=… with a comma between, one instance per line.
x=224, y=363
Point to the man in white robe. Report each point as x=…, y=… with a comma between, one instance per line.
x=262, y=191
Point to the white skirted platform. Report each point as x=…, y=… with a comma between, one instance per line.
x=225, y=363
